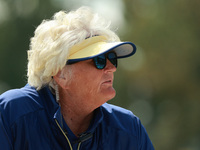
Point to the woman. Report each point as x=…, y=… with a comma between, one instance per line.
x=71, y=65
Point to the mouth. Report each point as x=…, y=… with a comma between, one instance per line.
x=108, y=82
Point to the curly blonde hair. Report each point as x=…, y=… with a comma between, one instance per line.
x=49, y=48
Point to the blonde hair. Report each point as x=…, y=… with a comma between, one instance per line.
x=53, y=38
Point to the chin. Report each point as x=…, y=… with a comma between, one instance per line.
x=110, y=94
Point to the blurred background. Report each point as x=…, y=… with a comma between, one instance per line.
x=160, y=83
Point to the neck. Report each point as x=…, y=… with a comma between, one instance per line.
x=76, y=115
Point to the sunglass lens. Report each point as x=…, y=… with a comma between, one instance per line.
x=100, y=61
x=112, y=57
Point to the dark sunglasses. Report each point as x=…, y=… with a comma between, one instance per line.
x=100, y=61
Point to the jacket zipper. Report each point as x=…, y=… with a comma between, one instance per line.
x=79, y=144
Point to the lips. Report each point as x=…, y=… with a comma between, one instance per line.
x=108, y=81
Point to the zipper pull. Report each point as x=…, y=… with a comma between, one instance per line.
x=84, y=137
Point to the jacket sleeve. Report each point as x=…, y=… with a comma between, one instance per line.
x=144, y=141
x=5, y=141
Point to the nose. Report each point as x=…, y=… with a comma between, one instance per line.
x=109, y=66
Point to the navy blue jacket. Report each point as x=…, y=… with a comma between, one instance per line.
x=31, y=120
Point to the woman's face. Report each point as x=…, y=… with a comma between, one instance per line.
x=89, y=84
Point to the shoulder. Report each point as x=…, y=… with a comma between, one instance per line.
x=125, y=127
x=117, y=111
x=120, y=118
x=24, y=97
x=19, y=102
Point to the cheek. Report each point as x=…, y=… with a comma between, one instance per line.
x=86, y=81
x=89, y=85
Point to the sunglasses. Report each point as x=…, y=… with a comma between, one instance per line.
x=100, y=61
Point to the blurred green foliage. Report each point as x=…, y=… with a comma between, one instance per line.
x=160, y=84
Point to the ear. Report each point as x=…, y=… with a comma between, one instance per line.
x=60, y=79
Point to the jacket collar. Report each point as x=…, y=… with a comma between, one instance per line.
x=49, y=101
x=54, y=110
